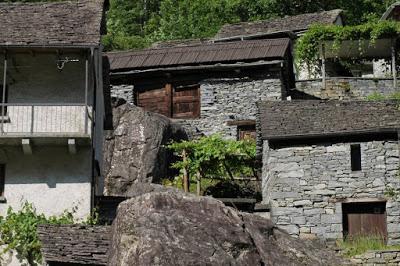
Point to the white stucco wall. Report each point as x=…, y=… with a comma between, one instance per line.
x=51, y=179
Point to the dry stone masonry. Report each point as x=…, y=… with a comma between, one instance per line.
x=346, y=88
x=306, y=185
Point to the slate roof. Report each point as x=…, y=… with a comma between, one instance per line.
x=66, y=23
x=292, y=23
x=75, y=244
x=200, y=54
x=312, y=118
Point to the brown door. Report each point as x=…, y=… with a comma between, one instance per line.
x=365, y=219
x=186, y=102
x=155, y=100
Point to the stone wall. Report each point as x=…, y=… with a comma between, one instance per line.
x=224, y=100
x=124, y=92
x=306, y=185
x=346, y=88
x=379, y=257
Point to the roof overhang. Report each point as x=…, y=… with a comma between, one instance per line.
x=215, y=67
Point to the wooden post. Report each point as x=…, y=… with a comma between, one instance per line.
x=186, y=182
x=168, y=98
x=198, y=177
x=86, y=93
x=4, y=92
x=394, y=71
x=323, y=67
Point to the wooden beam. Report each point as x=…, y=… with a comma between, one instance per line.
x=4, y=91
x=168, y=98
x=394, y=71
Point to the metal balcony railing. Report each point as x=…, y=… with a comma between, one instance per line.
x=45, y=119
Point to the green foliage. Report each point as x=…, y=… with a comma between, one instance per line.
x=362, y=244
x=215, y=157
x=18, y=231
x=376, y=96
x=307, y=47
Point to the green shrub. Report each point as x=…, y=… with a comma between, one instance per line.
x=362, y=244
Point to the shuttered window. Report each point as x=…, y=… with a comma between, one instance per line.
x=247, y=132
x=172, y=101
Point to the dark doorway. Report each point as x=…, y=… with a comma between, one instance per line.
x=364, y=219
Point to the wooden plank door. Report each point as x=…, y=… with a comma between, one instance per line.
x=155, y=100
x=186, y=102
x=366, y=219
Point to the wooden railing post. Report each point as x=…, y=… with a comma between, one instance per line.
x=32, y=117
x=186, y=178
x=4, y=93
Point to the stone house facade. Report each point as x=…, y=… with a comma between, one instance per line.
x=207, y=88
x=328, y=167
x=52, y=105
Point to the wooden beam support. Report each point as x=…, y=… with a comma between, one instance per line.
x=26, y=146
x=168, y=98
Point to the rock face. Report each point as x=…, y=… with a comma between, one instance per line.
x=134, y=151
x=169, y=228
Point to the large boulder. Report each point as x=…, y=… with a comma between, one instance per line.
x=134, y=151
x=170, y=228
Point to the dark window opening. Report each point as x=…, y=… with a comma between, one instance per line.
x=179, y=102
x=246, y=132
x=2, y=179
x=355, y=157
x=364, y=219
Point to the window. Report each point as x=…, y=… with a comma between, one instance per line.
x=355, y=157
x=172, y=101
x=365, y=219
x=247, y=132
x=2, y=179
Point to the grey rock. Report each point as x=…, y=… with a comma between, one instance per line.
x=169, y=228
x=134, y=151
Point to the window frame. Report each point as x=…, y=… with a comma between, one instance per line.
x=355, y=157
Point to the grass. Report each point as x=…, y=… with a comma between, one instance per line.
x=362, y=244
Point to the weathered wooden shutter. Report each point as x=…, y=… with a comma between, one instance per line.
x=155, y=100
x=186, y=102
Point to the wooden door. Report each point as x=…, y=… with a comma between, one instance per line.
x=186, y=102
x=365, y=219
x=155, y=100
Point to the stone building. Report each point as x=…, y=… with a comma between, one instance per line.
x=328, y=165
x=207, y=87
x=52, y=105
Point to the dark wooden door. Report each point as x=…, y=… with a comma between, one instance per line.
x=186, y=102
x=155, y=100
x=365, y=219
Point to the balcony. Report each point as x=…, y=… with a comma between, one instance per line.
x=45, y=120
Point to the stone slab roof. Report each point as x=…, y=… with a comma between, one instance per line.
x=75, y=244
x=292, y=23
x=66, y=23
x=313, y=118
x=200, y=54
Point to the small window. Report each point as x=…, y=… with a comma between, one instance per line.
x=2, y=179
x=355, y=157
x=247, y=132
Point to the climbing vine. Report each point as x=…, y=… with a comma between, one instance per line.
x=307, y=47
x=213, y=157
